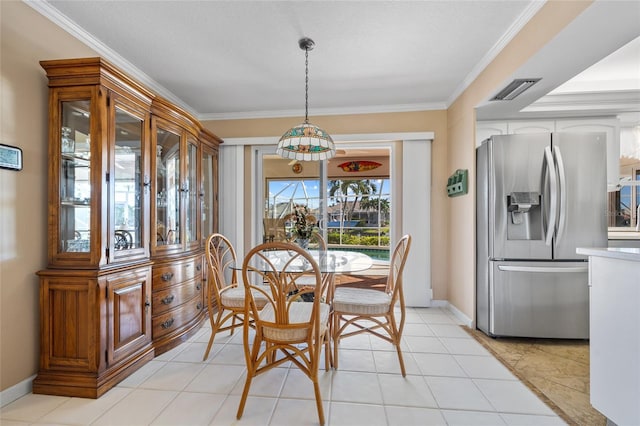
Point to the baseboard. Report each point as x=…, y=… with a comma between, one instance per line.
x=439, y=303
x=16, y=391
x=460, y=315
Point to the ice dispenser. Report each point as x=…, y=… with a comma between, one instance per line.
x=525, y=216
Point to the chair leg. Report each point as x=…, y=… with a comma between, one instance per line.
x=233, y=324
x=336, y=338
x=215, y=325
x=404, y=374
x=245, y=393
x=316, y=389
x=396, y=336
x=328, y=361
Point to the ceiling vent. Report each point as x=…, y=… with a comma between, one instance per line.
x=515, y=88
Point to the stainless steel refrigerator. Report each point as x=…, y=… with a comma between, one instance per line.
x=539, y=197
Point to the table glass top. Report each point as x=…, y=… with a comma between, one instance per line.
x=330, y=261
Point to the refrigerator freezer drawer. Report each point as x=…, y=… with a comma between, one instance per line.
x=539, y=299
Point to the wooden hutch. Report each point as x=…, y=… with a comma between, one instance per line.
x=133, y=183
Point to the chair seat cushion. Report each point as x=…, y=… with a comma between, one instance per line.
x=299, y=313
x=234, y=297
x=358, y=301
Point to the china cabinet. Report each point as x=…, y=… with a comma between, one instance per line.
x=132, y=195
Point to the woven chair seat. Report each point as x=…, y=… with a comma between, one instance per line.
x=234, y=297
x=299, y=313
x=359, y=301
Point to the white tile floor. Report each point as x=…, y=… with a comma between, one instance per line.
x=451, y=380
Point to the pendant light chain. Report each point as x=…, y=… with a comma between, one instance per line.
x=306, y=141
x=306, y=85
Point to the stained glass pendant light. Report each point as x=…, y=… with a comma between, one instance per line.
x=306, y=141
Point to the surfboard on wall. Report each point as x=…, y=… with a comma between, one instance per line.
x=359, y=166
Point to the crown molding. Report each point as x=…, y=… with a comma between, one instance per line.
x=61, y=20
x=616, y=101
x=324, y=111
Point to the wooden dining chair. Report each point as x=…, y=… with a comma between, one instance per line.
x=287, y=329
x=360, y=310
x=274, y=229
x=316, y=242
x=225, y=297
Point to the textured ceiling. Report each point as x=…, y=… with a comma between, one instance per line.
x=231, y=59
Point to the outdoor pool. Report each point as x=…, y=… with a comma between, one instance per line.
x=376, y=253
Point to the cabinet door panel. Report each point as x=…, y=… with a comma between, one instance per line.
x=128, y=312
x=209, y=192
x=191, y=194
x=72, y=214
x=166, y=217
x=128, y=190
x=66, y=323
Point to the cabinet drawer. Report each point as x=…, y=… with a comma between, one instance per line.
x=176, y=318
x=175, y=296
x=167, y=275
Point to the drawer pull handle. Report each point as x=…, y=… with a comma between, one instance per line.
x=199, y=268
x=187, y=265
x=168, y=323
x=198, y=287
x=167, y=300
x=199, y=306
x=167, y=276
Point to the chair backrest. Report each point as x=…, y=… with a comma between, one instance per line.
x=220, y=256
x=274, y=229
x=317, y=241
x=272, y=269
x=396, y=266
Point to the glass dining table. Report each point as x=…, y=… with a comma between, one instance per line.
x=330, y=262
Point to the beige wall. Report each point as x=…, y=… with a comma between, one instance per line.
x=27, y=38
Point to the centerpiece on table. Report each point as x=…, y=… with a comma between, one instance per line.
x=304, y=223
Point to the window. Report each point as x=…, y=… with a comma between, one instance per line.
x=353, y=207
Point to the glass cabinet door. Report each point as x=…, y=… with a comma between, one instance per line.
x=167, y=184
x=75, y=177
x=208, y=192
x=128, y=181
x=190, y=191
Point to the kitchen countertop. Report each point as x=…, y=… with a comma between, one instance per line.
x=622, y=253
x=624, y=235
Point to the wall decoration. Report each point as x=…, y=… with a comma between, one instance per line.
x=10, y=157
x=359, y=166
x=457, y=183
x=297, y=168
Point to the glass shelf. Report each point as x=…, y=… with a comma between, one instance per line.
x=75, y=177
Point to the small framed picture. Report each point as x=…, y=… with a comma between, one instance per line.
x=10, y=157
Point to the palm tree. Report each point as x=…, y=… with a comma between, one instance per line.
x=381, y=205
x=342, y=190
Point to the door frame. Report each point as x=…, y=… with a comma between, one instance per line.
x=410, y=175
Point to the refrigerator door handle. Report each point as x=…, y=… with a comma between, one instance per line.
x=553, y=205
x=552, y=269
x=562, y=177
